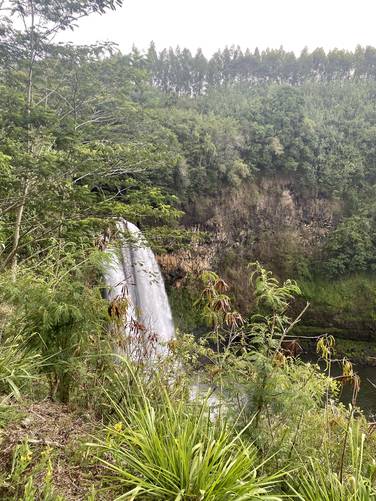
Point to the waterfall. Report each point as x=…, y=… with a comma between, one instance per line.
x=134, y=275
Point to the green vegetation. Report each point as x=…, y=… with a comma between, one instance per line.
x=257, y=426
x=169, y=450
x=245, y=158
x=345, y=306
x=18, y=365
x=321, y=484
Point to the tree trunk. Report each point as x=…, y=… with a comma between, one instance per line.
x=17, y=230
x=29, y=93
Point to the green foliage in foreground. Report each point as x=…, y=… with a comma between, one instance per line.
x=86, y=138
x=59, y=314
x=318, y=482
x=177, y=450
x=271, y=427
x=18, y=366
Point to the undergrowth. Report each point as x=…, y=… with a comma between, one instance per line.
x=234, y=415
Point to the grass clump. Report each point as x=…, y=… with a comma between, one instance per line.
x=178, y=451
x=319, y=480
x=18, y=366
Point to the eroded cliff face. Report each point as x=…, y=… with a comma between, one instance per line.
x=284, y=228
x=260, y=212
x=270, y=220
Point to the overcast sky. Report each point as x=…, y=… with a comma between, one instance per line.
x=212, y=24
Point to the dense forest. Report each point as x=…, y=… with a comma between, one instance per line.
x=180, y=72
x=277, y=163
x=231, y=166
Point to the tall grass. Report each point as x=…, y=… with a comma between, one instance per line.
x=175, y=450
x=320, y=482
x=18, y=366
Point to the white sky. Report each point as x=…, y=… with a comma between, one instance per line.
x=212, y=24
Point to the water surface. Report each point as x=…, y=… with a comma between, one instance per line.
x=366, y=399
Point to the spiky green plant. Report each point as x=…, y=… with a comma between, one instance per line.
x=320, y=482
x=176, y=451
x=18, y=365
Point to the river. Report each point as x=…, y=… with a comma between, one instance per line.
x=367, y=395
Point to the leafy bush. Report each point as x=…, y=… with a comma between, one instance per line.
x=61, y=315
x=253, y=374
x=351, y=247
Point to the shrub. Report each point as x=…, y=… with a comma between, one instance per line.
x=174, y=450
x=60, y=313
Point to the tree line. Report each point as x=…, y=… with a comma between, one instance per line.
x=180, y=71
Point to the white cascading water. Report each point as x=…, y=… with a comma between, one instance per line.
x=134, y=274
